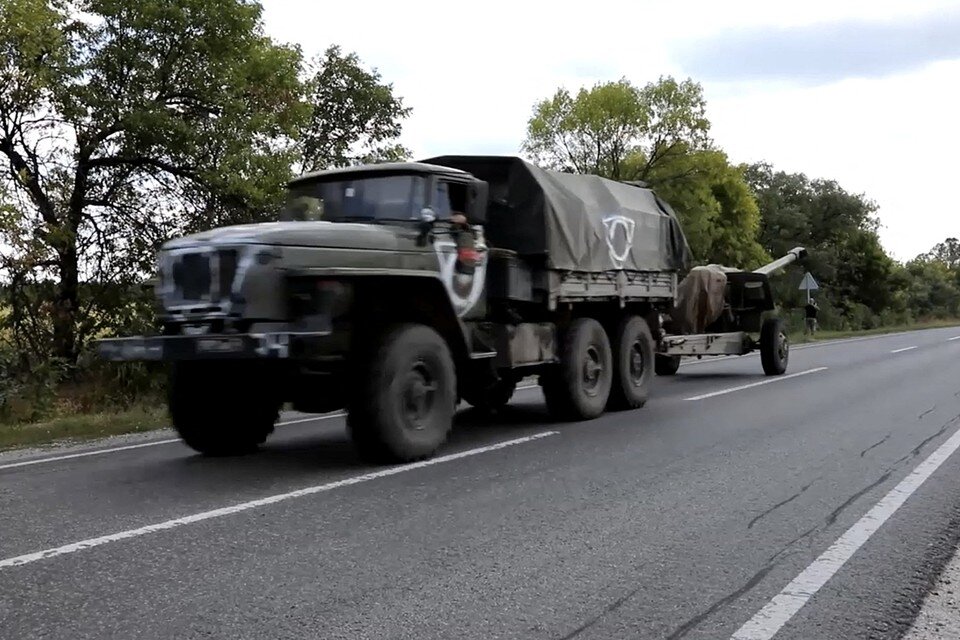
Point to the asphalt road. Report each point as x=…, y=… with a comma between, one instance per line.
x=821, y=504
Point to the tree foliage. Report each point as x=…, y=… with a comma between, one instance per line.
x=716, y=207
x=354, y=118
x=659, y=134
x=123, y=122
x=618, y=130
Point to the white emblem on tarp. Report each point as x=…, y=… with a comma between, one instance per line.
x=464, y=290
x=618, y=231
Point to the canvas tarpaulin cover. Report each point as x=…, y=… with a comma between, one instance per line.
x=575, y=222
x=700, y=298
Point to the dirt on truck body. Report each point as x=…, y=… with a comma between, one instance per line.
x=396, y=290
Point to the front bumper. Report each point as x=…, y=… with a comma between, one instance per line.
x=243, y=346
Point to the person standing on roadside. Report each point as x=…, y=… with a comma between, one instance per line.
x=811, y=314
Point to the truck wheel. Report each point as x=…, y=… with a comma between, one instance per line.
x=221, y=424
x=493, y=396
x=633, y=364
x=579, y=386
x=774, y=347
x=666, y=365
x=404, y=402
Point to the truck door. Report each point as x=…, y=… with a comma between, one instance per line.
x=461, y=249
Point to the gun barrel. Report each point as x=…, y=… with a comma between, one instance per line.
x=797, y=253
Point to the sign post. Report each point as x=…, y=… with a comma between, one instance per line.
x=809, y=284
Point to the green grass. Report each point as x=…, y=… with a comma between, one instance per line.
x=799, y=337
x=80, y=427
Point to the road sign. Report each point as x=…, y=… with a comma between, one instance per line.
x=808, y=283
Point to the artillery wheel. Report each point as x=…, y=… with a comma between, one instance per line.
x=405, y=397
x=493, y=396
x=233, y=422
x=666, y=365
x=633, y=364
x=579, y=386
x=774, y=347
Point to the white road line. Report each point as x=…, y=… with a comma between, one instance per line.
x=769, y=620
x=904, y=349
x=85, y=454
x=254, y=504
x=755, y=384
x=953, y=338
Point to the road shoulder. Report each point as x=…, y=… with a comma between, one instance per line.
x=939, y=615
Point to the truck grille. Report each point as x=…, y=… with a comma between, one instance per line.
x=204, y=276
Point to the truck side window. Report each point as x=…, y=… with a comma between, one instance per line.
x=450, y=197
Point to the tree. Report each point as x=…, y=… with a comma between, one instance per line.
x=946, y=252
x=839, y=230
x=617, y=130
x=124, y=120
x=355, y=118
x=658, y=134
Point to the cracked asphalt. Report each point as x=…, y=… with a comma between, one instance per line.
x=679, y=520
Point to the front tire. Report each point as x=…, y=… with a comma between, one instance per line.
x=633, y=364
x=214, y=424
x=579, y=386
x=405, y=400
x=774, y=347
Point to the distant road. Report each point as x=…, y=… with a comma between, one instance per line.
x=820, y=504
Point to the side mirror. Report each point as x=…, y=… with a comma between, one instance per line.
x=427, y=219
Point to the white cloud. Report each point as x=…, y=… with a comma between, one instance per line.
x=472, y=73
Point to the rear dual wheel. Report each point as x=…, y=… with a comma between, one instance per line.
x=633, y=355
x=578, y=387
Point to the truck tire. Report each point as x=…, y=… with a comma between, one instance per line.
x=666, y=365
x=632, y=364
x=774, y=347
x=579, y=386
x=493, y=396
x=405, y=398
x=231, y=423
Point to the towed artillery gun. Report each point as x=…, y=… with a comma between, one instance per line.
x=719, y=312
x=396, y=290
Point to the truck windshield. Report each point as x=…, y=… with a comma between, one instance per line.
x=376, y=198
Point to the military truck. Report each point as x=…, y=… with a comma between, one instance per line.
x=396, y=290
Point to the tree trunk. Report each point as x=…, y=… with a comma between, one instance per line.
x=65, y=307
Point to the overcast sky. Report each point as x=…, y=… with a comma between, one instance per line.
x=863, y=92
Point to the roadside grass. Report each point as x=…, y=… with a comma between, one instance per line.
x=81, y=427
x=798, y=337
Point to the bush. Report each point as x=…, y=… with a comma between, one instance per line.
x=33, y=390
x=28, y=389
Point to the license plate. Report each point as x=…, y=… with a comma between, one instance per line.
x=219, y=345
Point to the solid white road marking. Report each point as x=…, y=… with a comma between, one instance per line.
x=769, y=620
x=254, y=504
x=756, y=384
x=953, y=338
x=85, y=454
x=904, y=349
